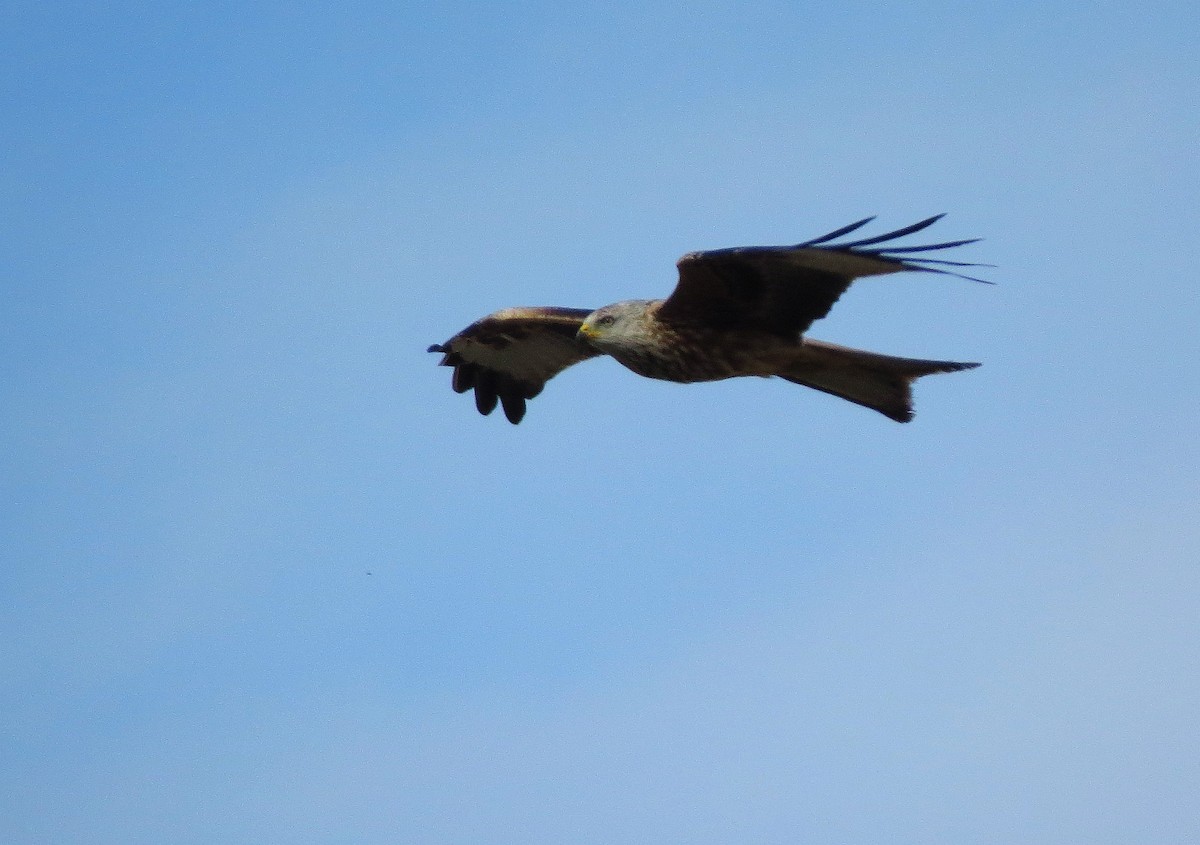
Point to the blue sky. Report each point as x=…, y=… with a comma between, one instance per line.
x=267, y=579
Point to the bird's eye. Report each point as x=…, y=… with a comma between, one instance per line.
x=606, y=320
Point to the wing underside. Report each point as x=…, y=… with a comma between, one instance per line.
x=508, y=357
x=784, y=289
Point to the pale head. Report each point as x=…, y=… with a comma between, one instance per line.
x=622, y=325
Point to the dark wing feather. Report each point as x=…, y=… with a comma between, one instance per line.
x=783, y=289
x=508, y=357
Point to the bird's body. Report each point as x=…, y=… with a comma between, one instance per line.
x=735, y=312
x=682, y=352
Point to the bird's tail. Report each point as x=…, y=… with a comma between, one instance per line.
x=880, y=382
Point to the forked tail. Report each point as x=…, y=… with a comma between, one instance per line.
x=880, y=382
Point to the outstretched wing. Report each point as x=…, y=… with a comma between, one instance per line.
x=783, y=289
x=510, y=355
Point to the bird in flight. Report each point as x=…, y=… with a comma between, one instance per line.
x=734, y=312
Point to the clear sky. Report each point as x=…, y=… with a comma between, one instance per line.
x=267, y=579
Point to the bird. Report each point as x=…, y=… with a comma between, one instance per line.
x=740, y=311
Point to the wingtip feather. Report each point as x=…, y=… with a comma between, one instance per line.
x=837, y=233
x=928, y=247
x=898, y=233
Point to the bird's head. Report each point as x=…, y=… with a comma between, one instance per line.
x=617, y=325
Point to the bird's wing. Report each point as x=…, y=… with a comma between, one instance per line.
x=783, y=289
x=510, y=355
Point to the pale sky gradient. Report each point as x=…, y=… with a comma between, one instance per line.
x=266, y=578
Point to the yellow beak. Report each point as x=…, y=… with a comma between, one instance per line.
x=587, y=332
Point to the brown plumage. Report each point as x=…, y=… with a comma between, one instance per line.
x=734, y=312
